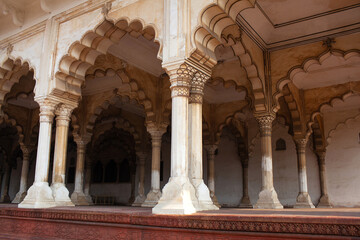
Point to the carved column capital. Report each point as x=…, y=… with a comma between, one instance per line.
x=142, y=157
x=156, y=131
x=265, y=123
x=47, y=109
x=321, y=157
x=26, y=149
x=63, y=114
x=180, y=78
x=300, y=144
x=197, y=87
x=211, y=148
x=82, y=140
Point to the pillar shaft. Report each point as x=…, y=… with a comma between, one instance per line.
x=267, y=197
x=5, y=198
x=303, y=199
x=210, y=149
x=26, y=150
x=60, y=192
x=154, y=195
x=39, y=194
x=88, y=182
x=196, y=148
x=140, y=198
x=245, y=200
x=178, y=195
x=78, y=196
x=324, y=201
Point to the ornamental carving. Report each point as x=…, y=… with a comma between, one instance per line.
x=301, y=144
x=265, y=124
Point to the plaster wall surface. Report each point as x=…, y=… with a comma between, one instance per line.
x=343, y=164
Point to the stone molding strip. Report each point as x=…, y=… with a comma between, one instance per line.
x=265, y=223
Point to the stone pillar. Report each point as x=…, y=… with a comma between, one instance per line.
x=245, y=200
x=88, y=168
x=140, y=198
x=303, y=199
x=39, y=194
x=210, y=149
x=60, y=192
x=132, y=181
x=5, y=198
x=154, y=195
x=267, y=197
x=324, y=201
x=195, y=143
x=78, y=197
x=26, y=150
x=178, y=195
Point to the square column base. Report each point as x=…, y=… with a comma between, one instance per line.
x=89, y=199
x=152, y=198
x=268, y=199
x=139, y=200
x=79, y=199
x=245, y=203
x=303, y=200
x=61, y=195
x=19, y=197
x=324, y=202
x=178, y=197
x=39, y=195
x=203, y=196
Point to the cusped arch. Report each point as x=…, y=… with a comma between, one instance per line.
x=12, y=122
x=218, y=28
x=82, y=54
x=239, y=115
x=304, y=67
x=120, y=123
x=11, y=70
x=340, y=125
x=330, y=103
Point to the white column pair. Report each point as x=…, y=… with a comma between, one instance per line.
x=185, y=193
x=40, y=195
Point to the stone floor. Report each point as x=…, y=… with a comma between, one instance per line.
x=120, y=222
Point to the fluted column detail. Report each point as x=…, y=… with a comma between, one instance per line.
x=210, y=149
x=60, y=192
x=78, y=196
x=26, y=150
x=40, y=194
x=303, y=199
x=324, y=201
x=154, y=195
x=267, y=197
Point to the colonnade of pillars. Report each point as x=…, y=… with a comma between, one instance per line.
x=186, y=191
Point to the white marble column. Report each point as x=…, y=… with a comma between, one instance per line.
x=267, y=197
x=60, y=192
x=195, y=143
x=154, y=195
x=39, y=194
x=132, y=181
x=26, y=150
x=178, y=195
x=303, y=199
x=88, y=169
x=140, y=198
x=5, y=198
x=324, y=201
x=210, y=149
x=78, y=197
x=245, y=200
